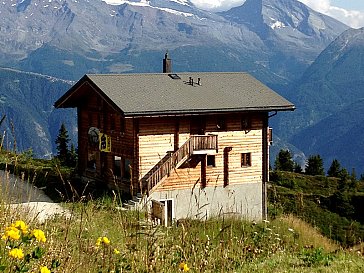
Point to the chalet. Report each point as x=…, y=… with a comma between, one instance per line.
x=198, y=143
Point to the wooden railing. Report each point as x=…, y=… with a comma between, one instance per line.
x=196, y=143
x=204, y=142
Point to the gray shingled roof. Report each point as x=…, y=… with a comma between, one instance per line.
x=152, y=94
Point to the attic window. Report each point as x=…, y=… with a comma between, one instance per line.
x=174, y=76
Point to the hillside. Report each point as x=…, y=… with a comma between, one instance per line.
x=333, y=205
x=337, y=137
x=27, y=101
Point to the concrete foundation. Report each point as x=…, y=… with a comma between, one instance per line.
x=243, y=201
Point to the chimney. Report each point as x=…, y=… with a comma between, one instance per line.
x=167, y=64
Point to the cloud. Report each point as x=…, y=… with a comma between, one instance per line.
x=352, y=18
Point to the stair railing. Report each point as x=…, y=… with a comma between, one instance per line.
x=194, y=143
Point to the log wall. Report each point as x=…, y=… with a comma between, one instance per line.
x=157, y=137
x=95, y=112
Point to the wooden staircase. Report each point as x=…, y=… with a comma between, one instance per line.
x=196, y=144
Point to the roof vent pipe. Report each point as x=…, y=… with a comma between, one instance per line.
x=167, y=64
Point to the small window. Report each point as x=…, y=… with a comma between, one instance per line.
x=112, y=122
x=98, y=120
x=89, y=119
x=270, y=136
x=211, y=161
x=246, y=160
x=122, y=125
x=246, y=123
x=91, y=160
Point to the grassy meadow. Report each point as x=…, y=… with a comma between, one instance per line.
x=98, y=236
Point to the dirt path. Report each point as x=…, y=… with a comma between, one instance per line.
x=21, y=195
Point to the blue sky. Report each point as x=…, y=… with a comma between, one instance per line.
x=349, y=4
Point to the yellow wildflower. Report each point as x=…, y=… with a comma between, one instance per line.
x=44, y=269
x=21, y=226
x=11, y=233
x=98, y=241
x=116, y=251
x=16, y=253
x=105, y=240
x=39, y=235
x=183, y=267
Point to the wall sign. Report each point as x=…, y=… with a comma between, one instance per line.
x=104, y=143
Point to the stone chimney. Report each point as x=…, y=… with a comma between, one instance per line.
x=167, y=64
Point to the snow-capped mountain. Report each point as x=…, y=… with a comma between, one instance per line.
x=67, y=38
x=297, y=31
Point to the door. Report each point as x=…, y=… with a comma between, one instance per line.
x=168, y=211
x=197, y=125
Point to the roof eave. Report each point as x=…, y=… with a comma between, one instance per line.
x=208, y=111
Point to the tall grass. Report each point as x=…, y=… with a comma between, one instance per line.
x=99, y=237
x=216, y=245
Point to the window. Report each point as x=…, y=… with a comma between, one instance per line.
x=246, y=123
x=112, y=122
x=117, y=166
x=270, y=136
x=211, y=161
x=89, y=119
x=91, y=160
x=122, y=125
x=246, y=160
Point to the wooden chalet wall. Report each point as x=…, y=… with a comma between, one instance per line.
x=157, y=136
x=96, y=112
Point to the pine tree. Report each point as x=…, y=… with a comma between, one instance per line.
x=62, y=144
x=314, y=165
x=297, y=168
x=284, y=161
x=72, y=156
x=335, y=169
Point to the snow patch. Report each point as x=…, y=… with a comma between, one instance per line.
x=141, y=2
x=145, y=3
x=39, y=130
x=277, y=24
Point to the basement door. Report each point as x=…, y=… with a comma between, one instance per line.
x=168, y=211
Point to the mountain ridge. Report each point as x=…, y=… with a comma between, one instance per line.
x=56, y=38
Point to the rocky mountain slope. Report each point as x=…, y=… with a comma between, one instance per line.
x=66, y=38
x=31, y=123
x=329, y=100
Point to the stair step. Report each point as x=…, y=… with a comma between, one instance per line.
x=129, y=206
x=136, y=199
x=132, y=202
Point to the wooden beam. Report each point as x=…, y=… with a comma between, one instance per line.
x=265, y=165
x=226, y=165
x=203, y=171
